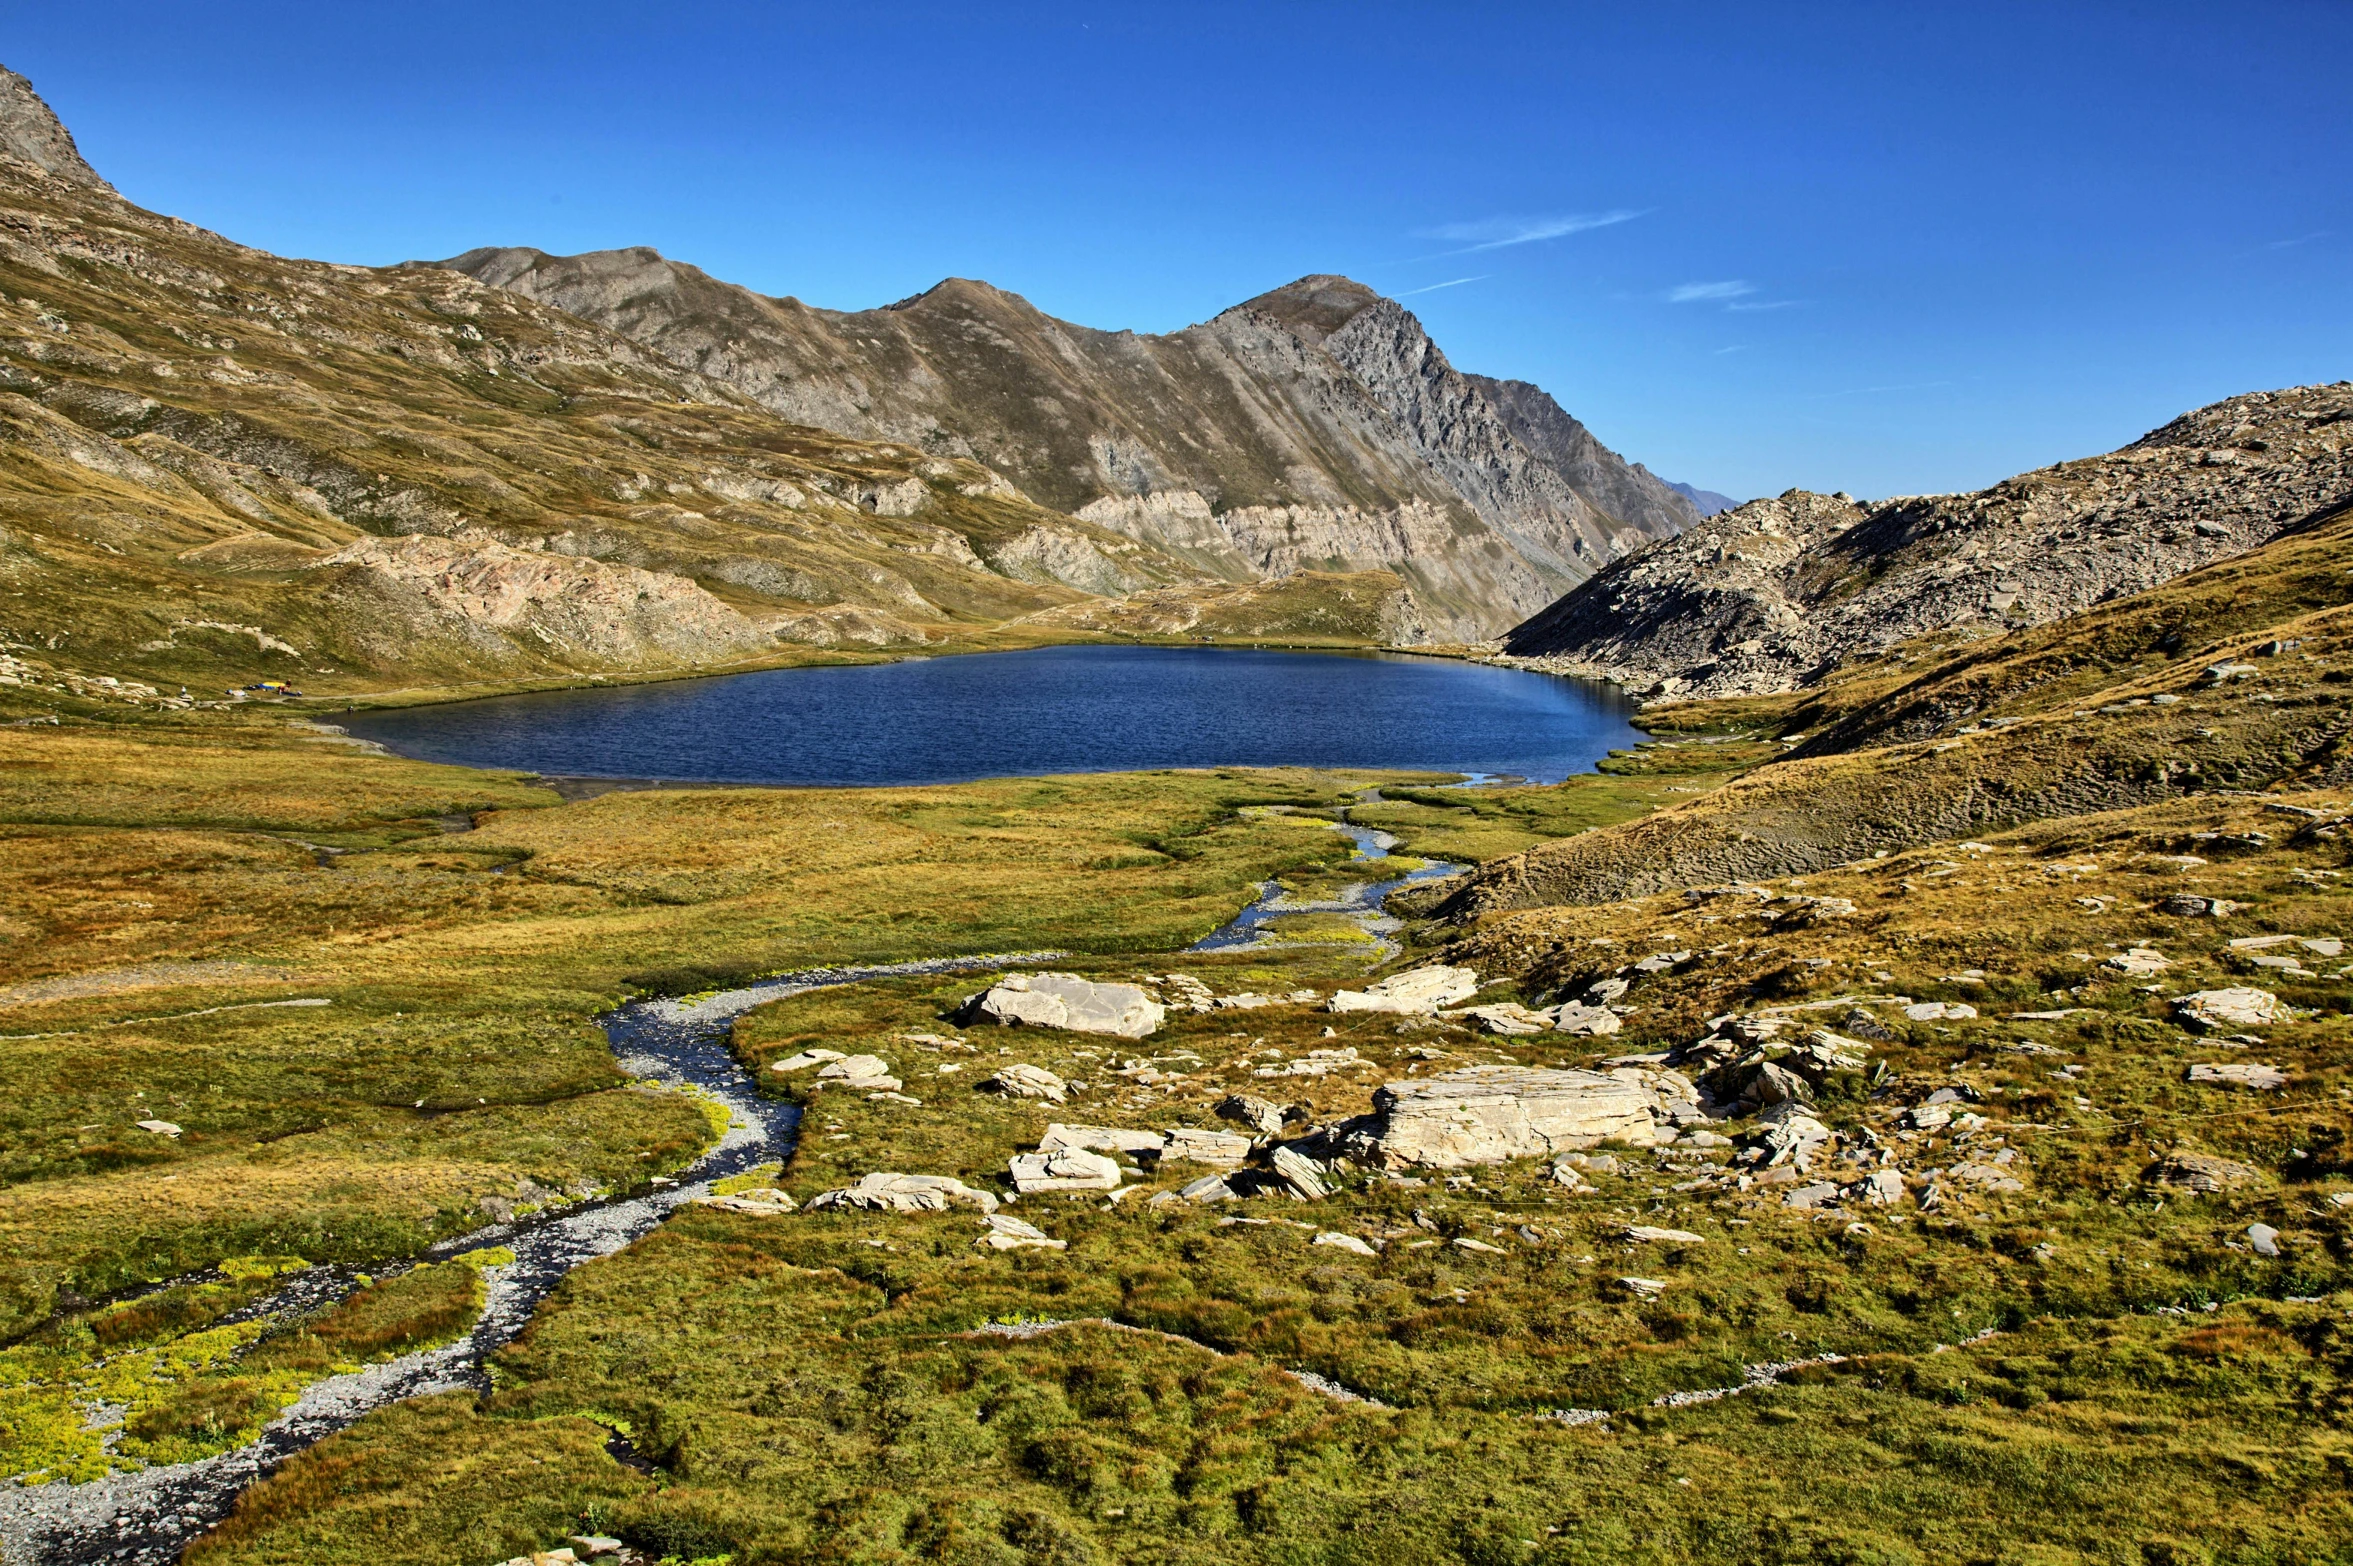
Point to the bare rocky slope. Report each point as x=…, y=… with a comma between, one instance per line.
x=1316, y=427
x=1773, y=595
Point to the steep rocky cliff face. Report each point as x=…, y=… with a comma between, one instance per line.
x=1772, y=595
x=1315, y=427
x=1626, y=492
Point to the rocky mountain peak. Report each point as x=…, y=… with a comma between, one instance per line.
x=1313, y=307
x=31, y=132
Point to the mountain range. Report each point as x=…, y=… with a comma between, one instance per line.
x=1316, y=426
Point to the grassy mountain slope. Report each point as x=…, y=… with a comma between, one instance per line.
x=216, y=464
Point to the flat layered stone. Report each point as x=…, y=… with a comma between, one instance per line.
x=1416, y=992
x=2221, y=1010
x=1220, y=1149
x=1064, y=1000
x=888, y=1191
x=1100, y=1139
x=1064, y=1169
x=1489, y=1114
x=1025, y=1081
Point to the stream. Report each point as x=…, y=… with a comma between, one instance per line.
x=147, y=1517
x=1364, y=901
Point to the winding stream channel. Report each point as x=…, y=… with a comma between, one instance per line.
x=146, y=1517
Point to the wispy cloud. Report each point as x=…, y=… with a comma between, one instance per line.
x=1735, y=348
x=1698, y=293
x=1875, y=391
x=1499, y=233
x=1432, y=288
x=1763, y=304
x=2301, y=239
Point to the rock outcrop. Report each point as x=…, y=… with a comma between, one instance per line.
x=1773, y=595
x=1064, y=1000
x=31, y=132
x=1490, y=1114
x=1315, y=427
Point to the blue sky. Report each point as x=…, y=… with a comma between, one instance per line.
x=1880, y=248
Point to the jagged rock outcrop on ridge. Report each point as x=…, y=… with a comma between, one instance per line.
x=31, y=132
x=1772, y=595
x=1315, y=427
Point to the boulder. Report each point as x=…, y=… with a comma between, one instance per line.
x=1064, y=1000
x=1297, y=1175
x=807, y=1058
x=2139, y=963
x=2264, y=1079
x=2186, y=906
x=1023, y=1081
x=1209, y=1188
x=2264, y=1238
x=1510, y=1020
x=1007, y=1233
x=1344, y=1242
x=1192, y=1144
x=2203, y=1173
x=1256, y=1113
x=1592, y=1021
x=1418, y=991
x=2221, y=1010
x=158, y=1127
x=869, y=1073
x=889, y=1192
x=1488, y=1114
x=1819, y=1194
x=1879, y=1188
x=1940, y=1011
x=1064, y=1169
x=1647, y=1235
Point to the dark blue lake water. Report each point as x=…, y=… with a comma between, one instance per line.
x=1024, y=714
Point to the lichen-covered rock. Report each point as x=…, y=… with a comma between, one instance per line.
x=1489, y=1114
x=1064, y=1000
x=1256, y=1113
x=1418, y=991
x=1221, y=1149
x=887, y=1191
x=1064, y=1169
x=1020, y=1080
x=2218, y=1010
x=1007, y=1233
x=1099, y=1139
x=2203, y=1172
x=2235, y=1073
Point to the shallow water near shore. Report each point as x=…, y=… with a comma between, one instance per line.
x=1033, y=713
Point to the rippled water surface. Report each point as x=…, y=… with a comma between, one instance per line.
x=1046, y=710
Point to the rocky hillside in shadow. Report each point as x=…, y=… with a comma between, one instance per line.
x=1316, y=427
x=1775, y=594
x=219, y=465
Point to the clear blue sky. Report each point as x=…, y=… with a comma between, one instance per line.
x=1884, y=248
